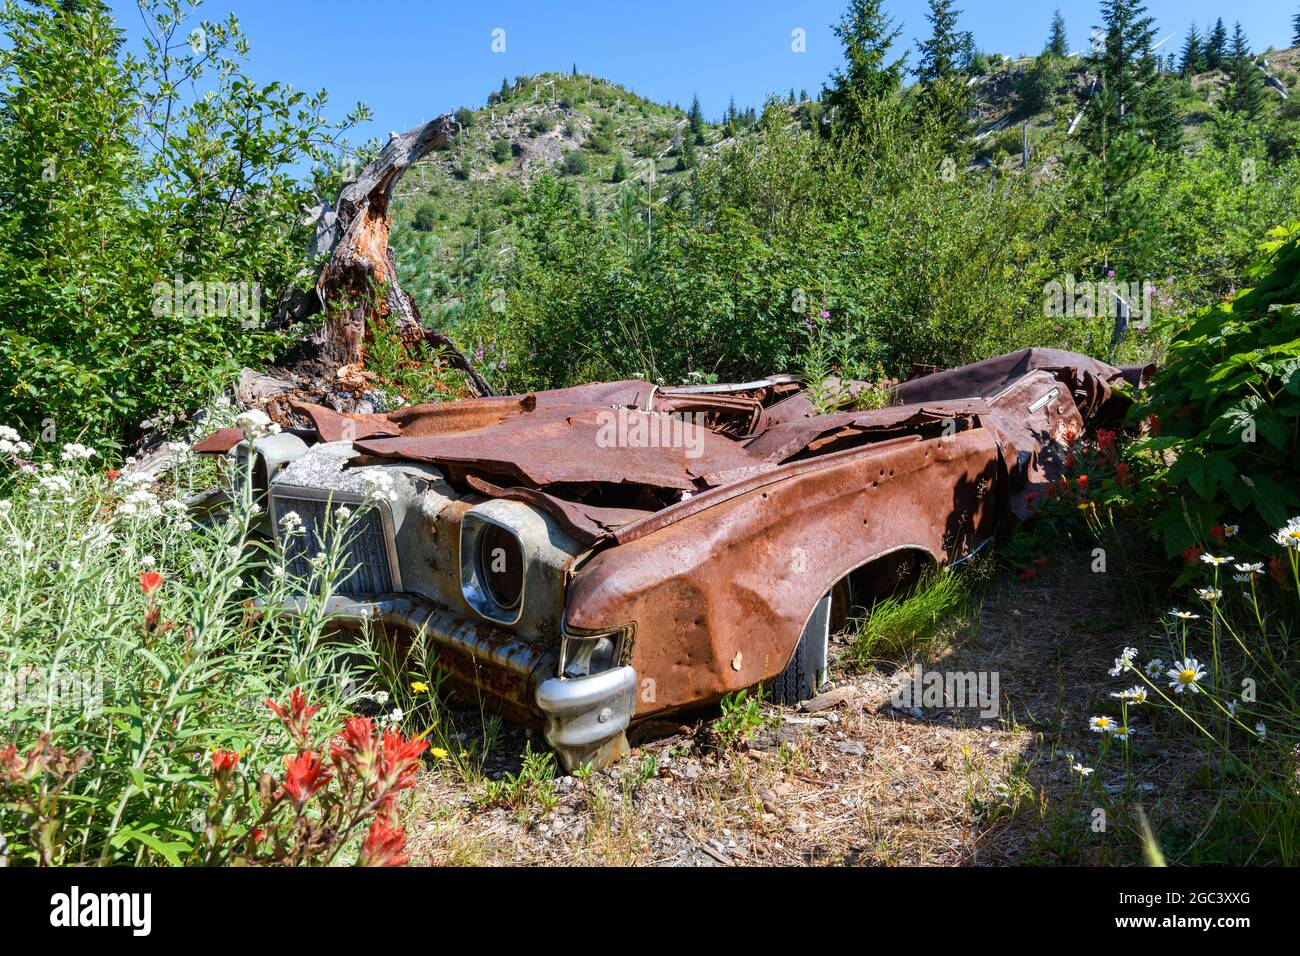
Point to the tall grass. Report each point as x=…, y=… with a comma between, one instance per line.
x=907, y=624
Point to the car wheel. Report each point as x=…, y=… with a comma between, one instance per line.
x=807, y=669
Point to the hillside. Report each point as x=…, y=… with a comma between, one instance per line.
x=610, y=142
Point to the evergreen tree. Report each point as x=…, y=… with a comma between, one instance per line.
x=687, y=158
x=1057, y=44
x=1193, y=52
x=944, y=99
x=869, y=75
x=939, y=55
x=620, y=170
x=1295, y=37
x=1216, y=46
x=1127, y=63
x=695, y=119
x=1246, y=88
x=505, y=88
x=1160, y=114
x=968, y=51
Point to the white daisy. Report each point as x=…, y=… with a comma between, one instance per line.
x=1184, y=615
x=1185, y=674
x=1101, y=725
x=1209, y=594
x=1211, y=559
x=1155, y=667
x=1288, y=536
x=1124, y=661
x=1080, y=769
x=1134, y=695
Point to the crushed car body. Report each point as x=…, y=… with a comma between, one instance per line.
x=588, y=558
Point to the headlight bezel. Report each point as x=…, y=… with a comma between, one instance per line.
x=474, y=530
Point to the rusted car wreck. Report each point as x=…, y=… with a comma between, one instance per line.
x=590, y=557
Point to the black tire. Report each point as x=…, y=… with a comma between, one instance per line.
x=802, y=676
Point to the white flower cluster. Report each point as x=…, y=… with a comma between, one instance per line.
x=11, y=443
x=73, y=452
x=137, y=500
x=256, y=423
x=52, y=486
x=291, y=524
x=379, y=484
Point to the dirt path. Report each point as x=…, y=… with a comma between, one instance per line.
x=858, y=782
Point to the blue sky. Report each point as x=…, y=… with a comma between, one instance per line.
x=435, y=56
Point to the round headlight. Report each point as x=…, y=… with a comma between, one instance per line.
x=501, y=566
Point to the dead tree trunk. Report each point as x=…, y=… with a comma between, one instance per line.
x=358, y=284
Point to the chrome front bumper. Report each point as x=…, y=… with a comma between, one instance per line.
x=585, y=719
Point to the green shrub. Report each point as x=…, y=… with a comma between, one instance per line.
x=501, y=150
x=101, y=226
x=425, y=217
x=1225, y=407
x=575, y=163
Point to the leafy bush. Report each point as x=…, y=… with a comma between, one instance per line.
x=147, y=229
x=501, y=150
x=1224, y=409
x=1041, y=84
x=575, y=163
x=425, y=217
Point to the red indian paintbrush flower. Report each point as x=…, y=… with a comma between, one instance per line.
x=1083, y=483
x=295, y=716
x=385, y=845
x=223, y=762
x=399, y=761
x=357, y=750
x=151, y=581
x=303, y=776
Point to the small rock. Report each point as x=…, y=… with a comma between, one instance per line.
x=832, y=698
x=851, y=747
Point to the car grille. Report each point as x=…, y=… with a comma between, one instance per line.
x=367, y=564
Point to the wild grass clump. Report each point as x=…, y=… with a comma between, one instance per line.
x=908, y=624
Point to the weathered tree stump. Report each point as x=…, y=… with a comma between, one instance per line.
x=358, y=284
